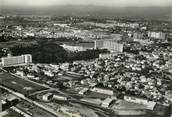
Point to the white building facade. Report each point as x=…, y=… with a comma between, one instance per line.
x=16, y=60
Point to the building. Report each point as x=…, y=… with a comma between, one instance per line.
x=47, y=96
x=149, y=104
x=20, y=73
x=138, y=35
x=131, y=113
x=83, y=91
x=111, y=45
x=106, y=56
x=30, y=34
x=106, y=103
x=98, y=44
x=94, y=101
x=130, y=25
x=156, y=35
x=64, y=66
x=102, y=90
x=59, y=97
x=1, y=105
x=82, y=46
x=16, y=60
x=168, y=64
x=73, y=47
x=116, y=37
x=7, y=103
x=143, y=41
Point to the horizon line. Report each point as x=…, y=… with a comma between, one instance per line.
x=68, y=5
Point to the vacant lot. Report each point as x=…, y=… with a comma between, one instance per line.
x=20, y=85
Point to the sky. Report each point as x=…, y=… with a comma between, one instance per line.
x=115, y=3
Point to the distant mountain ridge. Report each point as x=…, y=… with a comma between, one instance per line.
x=160, y=13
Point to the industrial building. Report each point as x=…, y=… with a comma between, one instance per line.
x=102, y=90
x=16, y=60
x=59, y=97
x=150, y=104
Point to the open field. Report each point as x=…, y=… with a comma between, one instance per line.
x=17, y=84
x=10, y=44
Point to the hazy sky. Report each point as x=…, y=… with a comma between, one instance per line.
x=87, y=2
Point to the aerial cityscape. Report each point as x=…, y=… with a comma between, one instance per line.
x=86, y=58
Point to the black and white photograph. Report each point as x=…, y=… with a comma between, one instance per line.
x=85, y=58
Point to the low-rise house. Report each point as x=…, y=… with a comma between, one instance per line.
x=20, y=73
x=83, y=91
x=47, y=96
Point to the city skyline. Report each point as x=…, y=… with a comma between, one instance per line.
x=111, y=3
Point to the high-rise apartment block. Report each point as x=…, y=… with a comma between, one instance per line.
x=111, y=45
x=156, y=35
x=16, y=60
